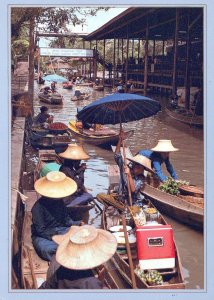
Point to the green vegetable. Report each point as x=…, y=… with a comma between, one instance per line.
x=171, y=186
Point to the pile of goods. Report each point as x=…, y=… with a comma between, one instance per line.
x=171, y=186
x=58, y=126
x=152, y=277
x=138, y=215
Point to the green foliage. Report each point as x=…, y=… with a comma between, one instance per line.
x=171, y=186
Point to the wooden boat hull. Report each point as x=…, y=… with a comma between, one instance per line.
x=173, y=277
x=49, y=140
x=53, y=100
x=190, y=120
x=179, y=208
x=33, y=268
x=176, y=207
x=95, y=140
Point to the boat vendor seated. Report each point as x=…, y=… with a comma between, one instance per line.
x=47, y=90
x=159, y=155
x=77, y=92
x=43, y=117
x=49, y=214
x=80, y=251
x=73, y=168
x=53, y=86
x=135, y=174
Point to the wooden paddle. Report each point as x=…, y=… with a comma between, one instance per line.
x=129, y=252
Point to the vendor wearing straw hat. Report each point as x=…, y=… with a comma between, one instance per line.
x=49, y=214
x=80, y=250
x=135, y=174
x=159, y=155
x=73, y=168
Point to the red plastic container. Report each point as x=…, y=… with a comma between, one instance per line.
x=155, y=247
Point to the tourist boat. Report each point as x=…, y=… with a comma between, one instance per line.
x=50, y=98
x=67, y=85
x=99, y=88
x=104, y=136
x=186, y=209
x=187, y=118
x=33, y=268
x=172, y=275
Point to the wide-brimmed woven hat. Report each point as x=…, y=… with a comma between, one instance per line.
x=164, y=146
x=55, y=185
x=77, y=88
x=142, y=160
x=74, y=152
x=85, y=248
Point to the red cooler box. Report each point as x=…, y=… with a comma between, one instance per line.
x=155, y=247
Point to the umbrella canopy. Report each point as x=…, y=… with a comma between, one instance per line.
x=55, y=77
x=117, y=108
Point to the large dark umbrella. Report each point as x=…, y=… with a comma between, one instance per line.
x=119, y=108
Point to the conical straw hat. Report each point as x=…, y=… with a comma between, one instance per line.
x=58, y=238
x=55, y=185
x=164, y=146
x=142, y=160
x=86, y=248
x=74, y=152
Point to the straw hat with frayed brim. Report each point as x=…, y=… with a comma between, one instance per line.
x=164, y=146
x=143, y=161
x=55, y=185
x=74, y=152
x=85, y=248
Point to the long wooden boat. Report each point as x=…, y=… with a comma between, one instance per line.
x=33, y=268
x=194, y=120
x=185, y=209
x=42, y=138
x=172, y=277
x=92, y=138
x=50, y=98
x=77, y=212
x=99, y=88
x=84, y=96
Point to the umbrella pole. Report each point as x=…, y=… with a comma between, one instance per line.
x=124, y=156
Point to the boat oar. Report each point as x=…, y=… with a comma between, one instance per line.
x=129, y=253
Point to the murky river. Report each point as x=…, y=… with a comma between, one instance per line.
x=188, y=163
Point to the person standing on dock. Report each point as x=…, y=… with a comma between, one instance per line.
x=159, y=155
x=80, y=250
x=49, y=214
x=73, y=168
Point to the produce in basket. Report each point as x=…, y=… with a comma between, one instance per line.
x=171, y=186
x=152, y=277
x=58, y=126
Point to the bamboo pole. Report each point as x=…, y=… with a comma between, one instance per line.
x=129, y=253
x=187, y=79
x=104, y=59
x=114, y=64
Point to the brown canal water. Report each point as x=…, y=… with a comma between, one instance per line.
x=188, y=163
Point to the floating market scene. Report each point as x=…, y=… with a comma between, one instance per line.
x=107, y=148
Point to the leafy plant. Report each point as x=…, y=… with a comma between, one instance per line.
x=171, y=186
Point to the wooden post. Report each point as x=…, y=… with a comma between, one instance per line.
x=187, y=79
x=153, y=54
x=114, y=65
x=163, y=46
x=127, y=57
x=31, y=64
x=132, y=48
x=138, y=52
x=122, y=53
x=174, y=74
x=146, y=60
x=95, y=64
x=90, y=62
x=118, y=55
x=104, y=59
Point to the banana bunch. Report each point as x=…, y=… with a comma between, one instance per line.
x=152, y=277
